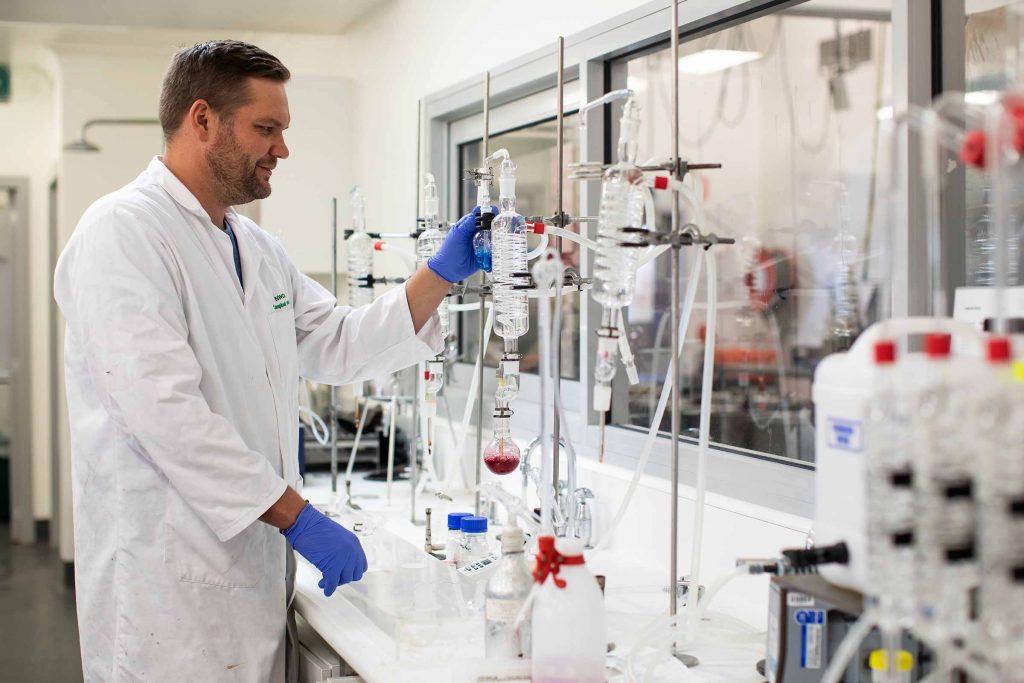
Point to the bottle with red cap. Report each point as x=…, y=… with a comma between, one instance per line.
x=569, y=639
x=945, y=464
x=998, y=422
x=890, y=494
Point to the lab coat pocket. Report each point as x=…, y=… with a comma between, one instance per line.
x=282, y=331
x=198, y=556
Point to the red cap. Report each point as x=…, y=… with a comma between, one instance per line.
x=938, y=344
x=885, y=352
x=998, y=350
x=545, y=544
x=972, y=152
x=538, y=228
x=378, y=245
x=660, y=182
x=426, y=374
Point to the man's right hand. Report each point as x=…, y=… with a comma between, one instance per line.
x=330, y=547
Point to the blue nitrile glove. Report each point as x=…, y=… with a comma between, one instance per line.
x=454, y=260
x=332, y=548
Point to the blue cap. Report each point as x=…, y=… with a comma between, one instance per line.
x=455, y=519
x=474, y=525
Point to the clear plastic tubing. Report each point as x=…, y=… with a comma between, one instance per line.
x=705, y=429
x=539, y=249
x=848, y=648
x=570, y=236
x=360, y=253
x=666, y=391
x=405, y=257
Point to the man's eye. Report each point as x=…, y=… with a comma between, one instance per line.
x=266, y=129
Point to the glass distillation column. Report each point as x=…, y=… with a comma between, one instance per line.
x=622, y=209
x=360, y=263
x=511, y=310
x=360, y=254
x=426, y=246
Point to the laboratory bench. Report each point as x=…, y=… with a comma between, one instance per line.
x=414, y=618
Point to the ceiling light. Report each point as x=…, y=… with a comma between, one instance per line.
x=709, y=61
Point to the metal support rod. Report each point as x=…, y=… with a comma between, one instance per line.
x=556, y=365
x=483, y=342
x=674, y=518
x=414, y=472
x=333, y=411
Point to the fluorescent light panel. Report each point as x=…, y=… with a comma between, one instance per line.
x=709, y=61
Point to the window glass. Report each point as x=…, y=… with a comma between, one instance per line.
x=987, y=46
x=792, y=105
x=535, y=154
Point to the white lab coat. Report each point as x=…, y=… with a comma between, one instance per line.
x=183, y=402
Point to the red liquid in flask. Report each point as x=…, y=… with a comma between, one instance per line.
x=502, y=457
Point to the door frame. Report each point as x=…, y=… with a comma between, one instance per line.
x=22, y=513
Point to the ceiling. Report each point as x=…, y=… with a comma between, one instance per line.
x=330, y=17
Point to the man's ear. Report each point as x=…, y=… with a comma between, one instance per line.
x=200, y=120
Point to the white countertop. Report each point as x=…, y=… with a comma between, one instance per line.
x=412, y=619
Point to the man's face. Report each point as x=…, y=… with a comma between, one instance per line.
x=248, y=143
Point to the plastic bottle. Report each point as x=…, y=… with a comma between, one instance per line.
x=502, y=454
x=360, y=254
x=569, y=637
x=474, y=540
x=507, y=590
x=453, y=543
x=482, y=248
x=999, y=424
x=946, y=510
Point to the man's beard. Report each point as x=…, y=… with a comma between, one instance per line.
x=233, y=171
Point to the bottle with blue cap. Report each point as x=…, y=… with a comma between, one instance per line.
x=453, y=543
x=474, y=541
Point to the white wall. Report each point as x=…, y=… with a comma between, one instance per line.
x=412, y=49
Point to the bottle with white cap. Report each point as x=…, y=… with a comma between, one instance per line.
x=507, y=590
x=569, y=642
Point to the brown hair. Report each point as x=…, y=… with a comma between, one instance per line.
x=216, y=71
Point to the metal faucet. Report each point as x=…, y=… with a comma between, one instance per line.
x=579, y=502
x=584, y=515
x=437, y=551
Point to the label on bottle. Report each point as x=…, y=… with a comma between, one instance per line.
x=503, y=611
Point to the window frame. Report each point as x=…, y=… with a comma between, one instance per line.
x=522, y=92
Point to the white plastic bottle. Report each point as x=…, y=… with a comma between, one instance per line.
x=890, y=498
x=569, y=637
x=999, y=425
x=507, y=590
x=945, y=487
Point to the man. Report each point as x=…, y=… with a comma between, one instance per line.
x=187, y=330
